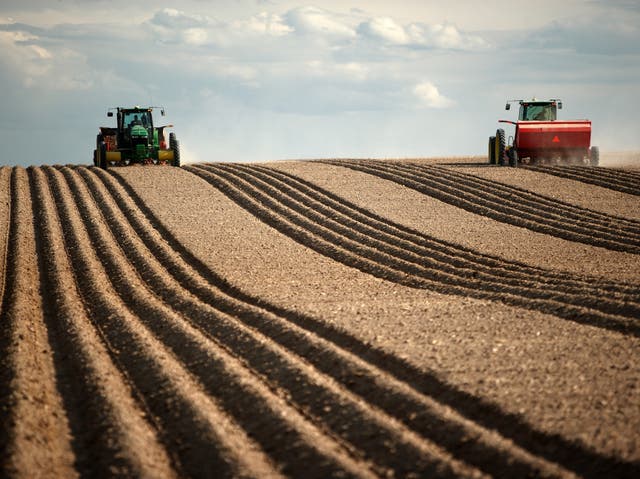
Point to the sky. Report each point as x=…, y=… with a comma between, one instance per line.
x=257, y=80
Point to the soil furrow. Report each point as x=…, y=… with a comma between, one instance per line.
x=521, y=198
x=356, y=254
x=5, y=222
x=515, y=202
x=586, y=175
x=334, y=341
x=425, y=245
x=494, y=209
x=337, y=413
x=34, y=431
x=109, y=431
x=238, y=389
x=325, y=211
x=623, y=176
x=202, y=438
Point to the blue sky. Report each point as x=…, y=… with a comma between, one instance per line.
x=253, y=80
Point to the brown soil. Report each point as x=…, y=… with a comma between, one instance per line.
x=407, y=318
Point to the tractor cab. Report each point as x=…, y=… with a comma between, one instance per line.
x=535, y=110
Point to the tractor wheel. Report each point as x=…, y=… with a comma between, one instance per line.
x=492, y=150
x=594, y=156
x=175, y=146
x=103, y=156
x=96, y=160
x=513, y=157
x=501, y=146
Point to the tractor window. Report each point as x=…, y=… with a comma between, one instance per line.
x=142, y=118
x=537, y=112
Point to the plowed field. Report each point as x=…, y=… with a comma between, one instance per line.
x=335, y=318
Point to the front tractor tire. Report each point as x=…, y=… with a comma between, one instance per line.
x=594, y=156
x=174, y=145
x=501, y=147
x=492, y=150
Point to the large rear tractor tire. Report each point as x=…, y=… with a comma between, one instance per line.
x=96, y=158
x=501, y=146
x=513, y=157
x=175, y=146
x=594, y=156
x=492, y=150
x=102, y=160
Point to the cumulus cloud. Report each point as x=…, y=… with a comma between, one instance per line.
x=419, y=35
x=265, y=23
x=429, y=96
x=175, y=26
x=314, y=20
x=386, y=29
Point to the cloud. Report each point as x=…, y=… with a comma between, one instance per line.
x=419, y=35
x=265, y=23
x=429, y=96
x=385, y=29
x=174, y=26
x=312, y=20
x=606, y=35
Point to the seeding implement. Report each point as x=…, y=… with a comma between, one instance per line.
x=135, y=140
x=541, y=138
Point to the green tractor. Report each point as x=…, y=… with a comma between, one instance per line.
x=135, y=140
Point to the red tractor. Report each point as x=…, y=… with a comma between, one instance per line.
x=541, y=138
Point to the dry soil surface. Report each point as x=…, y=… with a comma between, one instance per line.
x=331, y=318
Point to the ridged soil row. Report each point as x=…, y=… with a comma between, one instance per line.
x=5, y=222
x=496, y=206
x=323, y=234
x=523, y=198
x=623, y=181
x=487, y=451
x=420, y=248
x=34, y=431
x=202, y=439
x=516, y=202
x=365, y=429
x=318, y=397
x=108, y=426
x=377, y=378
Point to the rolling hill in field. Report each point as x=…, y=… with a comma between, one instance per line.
x=329, y=318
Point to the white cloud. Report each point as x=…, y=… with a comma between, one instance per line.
x=318, y=21
x=419, y=35
x=174, y=26
x=176, y=19
x=386, y=29
x=265, y=23
x=429, y=96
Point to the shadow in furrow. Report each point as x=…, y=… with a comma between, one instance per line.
x=179, y=429
x=432, y=263
x=463, y=198
x=622, y=181
x=342, y=417
x=94, y=441
x=419, y=243
x=552, y=447
x=523, y=199
x=263, y=423
x=356, y=254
